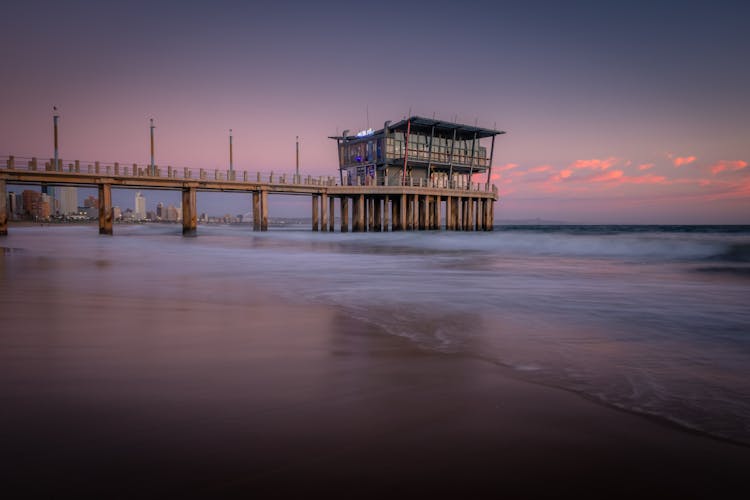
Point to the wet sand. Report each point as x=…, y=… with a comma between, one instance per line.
x=116, y=396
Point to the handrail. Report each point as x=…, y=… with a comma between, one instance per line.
x=143, y=171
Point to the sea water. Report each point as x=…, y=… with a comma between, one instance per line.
x=649, y=319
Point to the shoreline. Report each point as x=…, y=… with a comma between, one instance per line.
x=111, y=394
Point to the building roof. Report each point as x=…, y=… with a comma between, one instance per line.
x=424, y=125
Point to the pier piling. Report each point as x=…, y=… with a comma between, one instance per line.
x=105, y=209
x=3, y=209
x=189, y=219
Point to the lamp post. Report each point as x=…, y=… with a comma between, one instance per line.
x=152, y=170
x=231, y=163
x=297, y=164
x=55, y=121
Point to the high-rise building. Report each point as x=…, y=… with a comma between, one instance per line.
x=140, y=206
x=30, y=200
x=67, y=198
x=12, y=205
x=91, y=201
x=160, y=212
x=171, y=213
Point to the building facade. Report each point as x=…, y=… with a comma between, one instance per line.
x=416, y=150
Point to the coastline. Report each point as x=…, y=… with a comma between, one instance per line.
x=197, y=398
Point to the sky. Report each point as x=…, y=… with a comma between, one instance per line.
x=615, y=112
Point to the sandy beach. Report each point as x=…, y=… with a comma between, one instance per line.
x=121, y=397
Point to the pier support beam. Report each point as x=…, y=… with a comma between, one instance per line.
x=315, y=220
x=189, y=212
x=105, y=209
x=424, y=214
x=256, y=210
x=324, y=212
x=3, y=209
x=491, y=215
x=377, y=215
x=371, y=213
x=395, y=213
x=331, y=212
x=385, y=212
x=448, y=213
x=344, y=214
x=436, y=213
x=359, y=225
x=402, y=210
x=415, y=213
x=264, y=210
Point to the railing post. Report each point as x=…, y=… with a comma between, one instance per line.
x=117, y=168
x=11, y=163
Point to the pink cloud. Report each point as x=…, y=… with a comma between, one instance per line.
x=609, y=176
x=539, y=169
x=645, y=166
x=679, y=161
x=646, y=179
x=730, y=165
x=507, y=166
x=595, y=163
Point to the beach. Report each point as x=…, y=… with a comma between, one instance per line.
x=116, y=386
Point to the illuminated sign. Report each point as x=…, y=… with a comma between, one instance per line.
x=365, y=133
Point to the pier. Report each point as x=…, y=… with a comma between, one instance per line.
x=382, y=204
x=415, y=175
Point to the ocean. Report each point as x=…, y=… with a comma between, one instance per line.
x=649, y=319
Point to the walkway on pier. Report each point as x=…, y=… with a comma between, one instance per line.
x=412, y=204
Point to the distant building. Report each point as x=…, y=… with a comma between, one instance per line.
x=12, y=205
x=160, y=212
x=36, y=204
x=140, y=206
x=66, y=200
x=116, y=213
x=91, y=201
x=171, y=213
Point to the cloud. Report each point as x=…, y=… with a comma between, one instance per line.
x=507, y=166
x=609, y=176
x=728, y=165
x=539, y=169
x=646, y=179
x=645, y=166
x=679, y=161
x=595, y=163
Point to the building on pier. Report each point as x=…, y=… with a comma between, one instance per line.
x=417, y=149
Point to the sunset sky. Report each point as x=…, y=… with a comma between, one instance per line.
x=627, y=112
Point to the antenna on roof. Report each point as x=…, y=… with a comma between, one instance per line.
x=409, y=112
x=433, y=115
x=367, y=111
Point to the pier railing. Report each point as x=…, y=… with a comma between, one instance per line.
x=147, y=172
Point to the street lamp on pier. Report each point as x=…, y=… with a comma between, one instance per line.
x=152, y=169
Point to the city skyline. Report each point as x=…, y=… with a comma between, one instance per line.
x=615, y=114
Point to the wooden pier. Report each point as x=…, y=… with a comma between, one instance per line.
x=379, y=206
